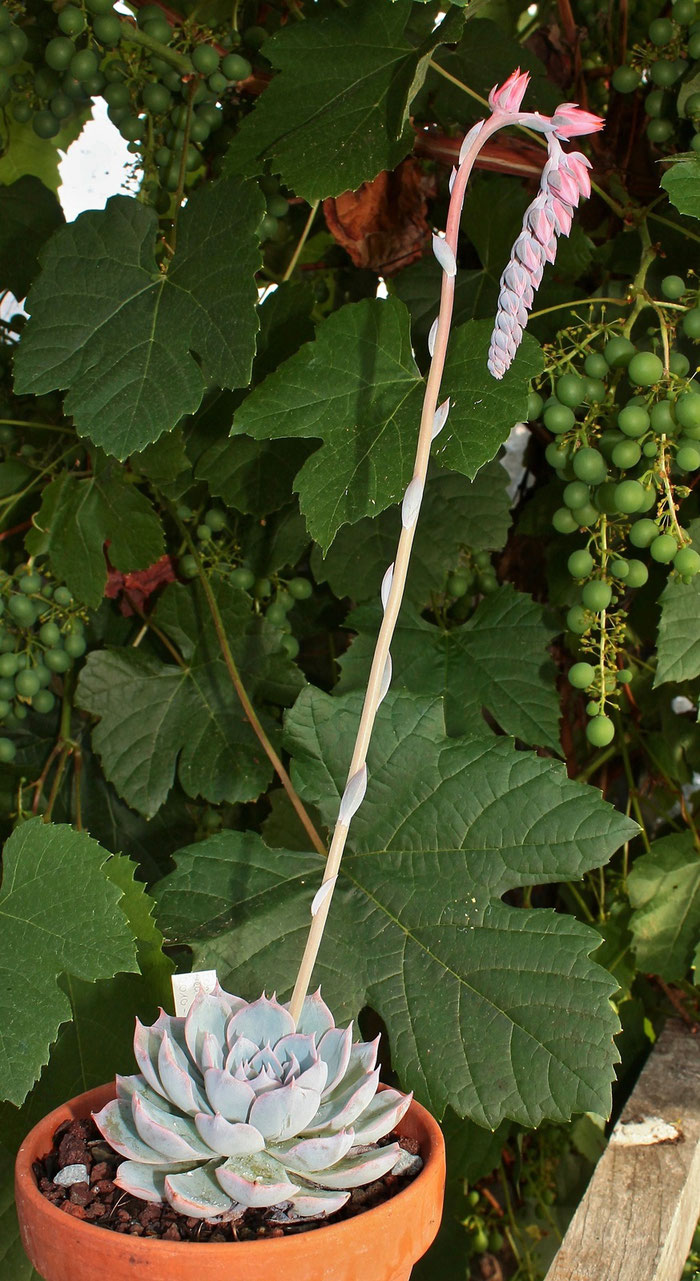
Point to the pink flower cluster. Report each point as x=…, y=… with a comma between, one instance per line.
x=564, y=180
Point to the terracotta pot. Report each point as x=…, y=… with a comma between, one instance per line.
x=380, y=1245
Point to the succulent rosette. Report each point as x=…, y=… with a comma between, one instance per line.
x=235, y=1107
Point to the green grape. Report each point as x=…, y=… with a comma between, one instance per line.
x=131, y=128
x=59, y=52
x=7, y=53
x=600, y=731
x=608, y=440
x=46, y=82
x=188, y=566
x=558, y=419
x=84, y=64
x=276, y=614
x=22, y=610
x=100, y=7
x=556, y=456
x=663, y=548
x=43, y=674
x=629, y=496
x=75, y=645
x=650, y=449
x=7, y=688
x=117, y=95
x=645, y=369
x=159, y=28
x=692, y=106
x=30, y=583
x=242, y=577
x=586, y=515
x=661, y=415
x=203, y=533
x=654, y=103
x=664, y=73
x=577, y=620
x=594, y=390
x=480, y=1241
x=660, y=31
x=8, y=664
x=627, y=454
x=278, y=207
x=199, y=130
x=691, y=323
x=215, y=519
x=596, y=366
x=575, y=494
x=687, y=562
x=212, y=114
x=217, y=82
x=5, y=706
x=581, y=675
x=570, y=390
x=637, y=573
x=20, y=712
x=688, y=410
x=596, y=595
x=673, y=287
x=694, y=47
x=45, y=124
x=291, y=645
x=57, y=660
x=19, y=41
x=22, y=111
x=284, y=599
x=301, y=588
x=61, y=106
x=619, y=568
x=156, y=98
x=262, y=587
x=162, y=157
x=683, y=12
x=107, y=29
x=268, y=227
x=618, y=352
x=623, y=676
x=236, y=68
x=625, y=79
x=458, y=585
x=649, y=498
x=117, y=114
x=71, y=20
x=27, y=683
x=149, y=13
x=5, y=20
x=580, y=563
x=43, y=702
x=678, y=363
x=205, y=59
x=589, y=466
x=254, y=37
x=688, y=458
x=8, y=751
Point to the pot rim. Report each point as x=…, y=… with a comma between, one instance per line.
x=82, y=1105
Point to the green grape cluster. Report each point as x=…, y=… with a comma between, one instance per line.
x=481, y=1237
x=474, y=575
x=41, y=636
x=670, y=57
x=626, y=436
x=222, y=556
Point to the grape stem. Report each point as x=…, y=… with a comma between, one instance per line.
x=134, y=35
x=249, y=710
x=397, y=576
x=301, y=242
x=668, y=493
x=603, y=614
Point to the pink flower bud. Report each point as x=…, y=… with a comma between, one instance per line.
x=509, y=95
x=570, y=121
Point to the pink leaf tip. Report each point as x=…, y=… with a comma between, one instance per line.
x=509, y=95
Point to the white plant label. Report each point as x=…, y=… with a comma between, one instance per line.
x=187, y=986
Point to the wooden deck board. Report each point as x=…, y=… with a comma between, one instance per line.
x=638, y=1215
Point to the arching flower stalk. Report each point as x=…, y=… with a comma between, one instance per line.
x=564, y=180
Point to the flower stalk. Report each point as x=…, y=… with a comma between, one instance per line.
x=571, y=173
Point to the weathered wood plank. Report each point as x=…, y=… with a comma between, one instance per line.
x=637, y=1217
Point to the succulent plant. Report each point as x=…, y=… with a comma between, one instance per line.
x=235, y=1107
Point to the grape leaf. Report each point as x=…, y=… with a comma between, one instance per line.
x=78, y=516
x=358, y=389
x=157, y=717
x=23, y=152
x=29, y=214
x=678, y=642
x=456, y=513
x=520, y=1016
x=117, y=331
x=682, y=182
x=338, y=111
x=471, y=666
x=252, y=476
x=664, y=890
x=60, y=914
